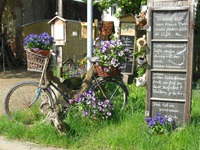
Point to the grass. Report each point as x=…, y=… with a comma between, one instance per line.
x=127, y=131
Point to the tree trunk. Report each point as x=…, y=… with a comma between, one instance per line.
x=56, y=115
x=2, y=5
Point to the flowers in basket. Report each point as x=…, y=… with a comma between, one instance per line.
x=110, y=53
x=161, y=125
x=87, y=105
x=38, y=42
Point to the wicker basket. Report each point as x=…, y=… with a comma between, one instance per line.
x=35, y=62
x=113, y=72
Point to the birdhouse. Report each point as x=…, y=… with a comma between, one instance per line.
x=58, y=30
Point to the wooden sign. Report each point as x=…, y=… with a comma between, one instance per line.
x=128, y=42
x=169, y=63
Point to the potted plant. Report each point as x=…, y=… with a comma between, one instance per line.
x=39, y=43
x=111, y=56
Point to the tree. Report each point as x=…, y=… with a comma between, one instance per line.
x=2, y=5
x=197, y=39
x=129, y=6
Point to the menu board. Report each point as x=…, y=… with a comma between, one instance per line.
x=169, y=109
x=128, y=42
x=168, y=63
x=170, y=24
x=169, y=55
x=168, y=85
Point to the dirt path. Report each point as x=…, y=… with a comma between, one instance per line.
x=9, y=78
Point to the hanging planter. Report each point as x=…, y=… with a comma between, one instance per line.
x=141, y=61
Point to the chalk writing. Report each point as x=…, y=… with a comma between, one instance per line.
x=170, y=25
x=169, y=109
x=127, y=40
x=169, y=55
x=168, y=85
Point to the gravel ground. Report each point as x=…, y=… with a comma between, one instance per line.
x=11, y=77
x=7, y=80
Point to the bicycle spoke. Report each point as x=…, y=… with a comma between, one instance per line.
x=23, y=107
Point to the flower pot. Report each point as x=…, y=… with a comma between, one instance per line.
x=113, y=72
x=43, y=52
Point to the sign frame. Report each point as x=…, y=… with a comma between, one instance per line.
x=187, y=71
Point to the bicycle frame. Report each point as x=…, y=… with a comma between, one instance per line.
x=62, y=93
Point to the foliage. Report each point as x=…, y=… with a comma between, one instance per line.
x=36, y=42
x=110, y=53
x=129, y=6
x=197, y=39
x=139, y=71
x=127, y=132
x=88, y=106
x=161, y=125
x=82, y=62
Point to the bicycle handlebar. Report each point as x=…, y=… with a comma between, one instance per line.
x=92, y=59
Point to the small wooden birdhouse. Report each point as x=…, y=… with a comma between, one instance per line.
x=58, y=30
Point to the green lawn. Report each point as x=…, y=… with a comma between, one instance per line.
x=126, y=131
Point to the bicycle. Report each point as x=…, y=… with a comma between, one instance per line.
x=31, y=102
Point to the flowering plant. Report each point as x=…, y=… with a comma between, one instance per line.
x=111, y=53
x=82, y=62
x=39, y=41
x=88, y=106
x=161, y=125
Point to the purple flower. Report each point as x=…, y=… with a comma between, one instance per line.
x=106, y=69
x=100, y=108
x=100, y=103
x=42, y=41
x=109, y=113
x=93, y=105
x=105, y=106
x=113, y=61
x=85, y=113
x=106, y=102
x=88, y=102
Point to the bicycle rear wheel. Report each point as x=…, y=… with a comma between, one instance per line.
x=22, y=106
x=112, y=89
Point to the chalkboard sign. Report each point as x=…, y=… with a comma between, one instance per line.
x=168, y=85
x=169, y=62
x=170, y=24
x=127, y=41
x=128, y=67
x=169, y=55
x=169, y=109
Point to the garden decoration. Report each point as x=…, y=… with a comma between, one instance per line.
x=39, y=43
x=141, y=19
x=112, y=54
x=140, y=81
x=160, y=125
x=141, y=42
x=141, y=61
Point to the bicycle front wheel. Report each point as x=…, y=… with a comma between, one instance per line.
x=26, y=105
x=112, y=89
